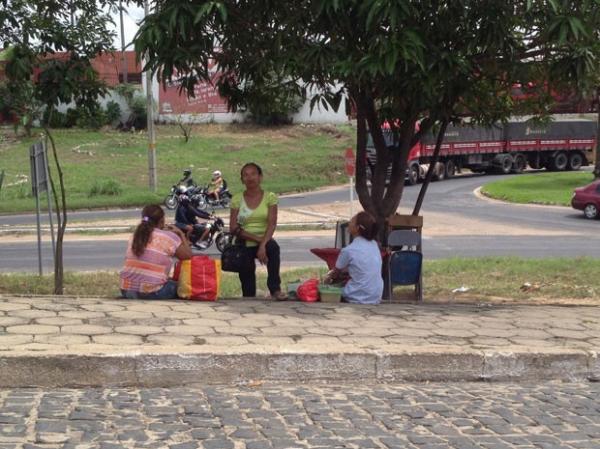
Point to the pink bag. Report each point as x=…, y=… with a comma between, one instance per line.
x=308, y=291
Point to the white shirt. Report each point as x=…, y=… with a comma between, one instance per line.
x=362, y=259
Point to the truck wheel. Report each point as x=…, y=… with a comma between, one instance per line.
x=450, y=169
x=413, y=175
x=559, y=162
x=590, y=211
x=506, y=164
x=519, y=164
x=439, y=171
x=575, y=161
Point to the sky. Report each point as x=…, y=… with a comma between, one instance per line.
x=133, y=15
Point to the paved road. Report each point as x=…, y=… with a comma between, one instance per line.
x=108, y=255
x=454, y=196
x=433, y=416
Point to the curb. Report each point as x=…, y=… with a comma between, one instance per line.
x=180, y=369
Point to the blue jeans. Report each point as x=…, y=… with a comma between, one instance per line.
x=167, y=291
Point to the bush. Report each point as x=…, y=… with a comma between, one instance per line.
x=109, y=187
x=113, y=112
x=54, y=119
x=273, y=103
x=91, y=120
x=71, y=117
x=139, y=117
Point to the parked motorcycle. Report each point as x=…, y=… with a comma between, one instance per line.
x=217, y=234
x=203, y=200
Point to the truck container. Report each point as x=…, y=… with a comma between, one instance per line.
x=502, y=148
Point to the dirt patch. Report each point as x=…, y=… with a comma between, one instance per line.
x=232, y=148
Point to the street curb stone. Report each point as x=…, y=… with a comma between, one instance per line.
x=186, y=369
x=86, y=341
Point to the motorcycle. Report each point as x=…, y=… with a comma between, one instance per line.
x=177, y=191
x=216, y=234
x=203, y=200
x=185, y=186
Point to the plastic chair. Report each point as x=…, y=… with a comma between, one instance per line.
x=406, y=261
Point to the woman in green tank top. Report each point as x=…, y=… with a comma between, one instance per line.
x=254, y=219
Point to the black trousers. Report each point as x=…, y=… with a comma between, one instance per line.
x=248, y=273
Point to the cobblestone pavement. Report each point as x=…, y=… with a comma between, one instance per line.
x=63, y=325
x=427, y=416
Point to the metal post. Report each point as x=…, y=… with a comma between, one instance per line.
x=152, y=177
x=124, y=66
x=36, y=192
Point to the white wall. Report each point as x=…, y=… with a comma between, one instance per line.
x=304, y=115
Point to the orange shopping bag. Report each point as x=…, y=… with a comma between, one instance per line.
x=198, y=278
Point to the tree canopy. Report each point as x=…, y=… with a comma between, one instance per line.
x=35, y=30
x=406, y=62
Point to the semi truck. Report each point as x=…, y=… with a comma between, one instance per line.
x=502, y=148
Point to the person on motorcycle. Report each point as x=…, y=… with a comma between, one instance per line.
x=186, y=219
x=187, y=178
x=217, y=184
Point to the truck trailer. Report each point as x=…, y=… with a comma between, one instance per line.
x=502, y=148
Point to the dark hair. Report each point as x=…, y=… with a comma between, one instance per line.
x=151, y=217
x=251, y=164
x=366, y=224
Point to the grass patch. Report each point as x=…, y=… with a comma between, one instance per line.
x=539, y=188
x=110, y=168
x=507, y=276
x=486, y=278
x=109, y=187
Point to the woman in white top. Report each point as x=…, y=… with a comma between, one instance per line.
x=362, y=261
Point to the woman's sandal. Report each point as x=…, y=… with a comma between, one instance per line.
x=279, y=296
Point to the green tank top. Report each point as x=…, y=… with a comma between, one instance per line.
x=253, y=221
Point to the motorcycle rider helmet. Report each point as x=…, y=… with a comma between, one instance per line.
x=216, y=174
x=187, y=172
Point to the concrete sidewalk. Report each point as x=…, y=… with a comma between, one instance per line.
x=68, y=341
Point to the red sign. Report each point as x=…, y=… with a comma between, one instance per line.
x=349, y=162
x=206, y=99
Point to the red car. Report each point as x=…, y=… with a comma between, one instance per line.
x=587, y=199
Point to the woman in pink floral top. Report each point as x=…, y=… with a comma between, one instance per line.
x=149, y=257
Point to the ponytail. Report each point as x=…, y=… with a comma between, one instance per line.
x=366, y=224
x=151, y=218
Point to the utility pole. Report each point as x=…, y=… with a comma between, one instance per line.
x=597, y=149
x=152, y=177
x=124, y=62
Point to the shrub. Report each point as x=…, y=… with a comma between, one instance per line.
x=139, y=117
x=109, y=187
x=92, y=120
x=71, y=117
x=273, y=102
x=54, y=119
x=113, y=112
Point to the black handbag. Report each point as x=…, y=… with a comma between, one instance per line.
x=234, y=257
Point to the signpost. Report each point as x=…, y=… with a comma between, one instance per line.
x=350, y=165
x=40, y=183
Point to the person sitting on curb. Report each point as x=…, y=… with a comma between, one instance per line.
x=362, y=261
x=149, y=257
x=253, y=219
